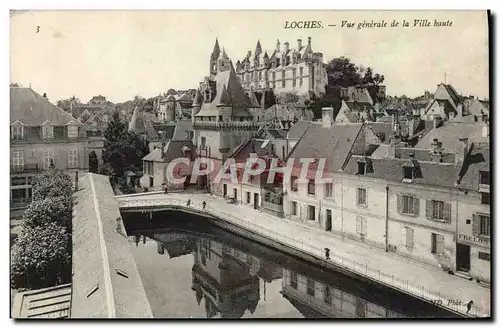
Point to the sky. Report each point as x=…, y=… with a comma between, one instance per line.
x=120, y=54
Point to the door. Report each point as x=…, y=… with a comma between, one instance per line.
x=328, y=223
x=151, y=181
x=463, y=257
x=255, y=200
x=235, y=193
x=225, y=190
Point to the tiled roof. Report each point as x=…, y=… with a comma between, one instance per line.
x=428, y=173
x=251, y=146
x=381, y=129
x=198, y=99
x=181, y=127
x=453, y=93
x=332, y=143
x=450, y=133
x=298, y=129
x=172, y=149
x=359, y=106
x=477, y=160
x=31, y=109
x=237, y=97
x=167, y=129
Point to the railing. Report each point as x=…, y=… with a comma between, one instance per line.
x=25, y=168
x=361, y=269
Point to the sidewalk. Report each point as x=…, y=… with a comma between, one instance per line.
x=436, y=283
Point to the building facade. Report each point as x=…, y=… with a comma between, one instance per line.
x=285, y=69
x=44, y=136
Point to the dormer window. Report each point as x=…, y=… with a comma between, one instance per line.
x=47, y=131
x=484, y=178
x=72, y=130
x=408, y=173
x=361, y=168
x=17, y=132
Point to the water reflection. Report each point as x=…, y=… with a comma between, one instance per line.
x=235, y=278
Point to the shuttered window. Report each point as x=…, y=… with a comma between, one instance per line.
x=481, y=225
x=408, y=205
x=293, y=279
x=437, y=244
x=438, y=211
x=361, y=198
x=361, y=225
x=407, y=237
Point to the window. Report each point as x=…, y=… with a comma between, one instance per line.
x=310, y=287
x=73, y=158
x=437, y=210
x=361, y=197
x=484, y=256
x=485, y=198
x=361, y=226
x=274, y=76
x=311, y=213
x=293, y=279
x=311, y=187
x=301, y=71
x=203, y=142
x=408, y=237
x=48, y=158
x=408, y=205
x=248, y=197
x=484, y=177
x=408, y=173
x=17, y=160
x=47, y=131
x=293, y=208
x=294, y=184
x=327, y=295
x=235, y=193
x=437, y=244
x=361, y=168
x=283, y=83
x=329, y=190
x=73, y=131
x=17, y=132
x=481, y=225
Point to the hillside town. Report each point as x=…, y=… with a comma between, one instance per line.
x=407, y=176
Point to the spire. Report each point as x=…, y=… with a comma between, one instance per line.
x=265, y=55
x=224, y=97
x=136, y=122
x=258, y=49
x=223, y=54
x=253, y=100
x=198, y=99
x=216, y=51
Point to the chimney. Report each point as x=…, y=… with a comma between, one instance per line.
x=287, y=47
x=462, y=153
x=299, y=44
x=327, y=116
x=45, y=95
x=309, y=41
x=486, y=131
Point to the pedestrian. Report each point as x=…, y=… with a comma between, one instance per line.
x=166, y=189
x=188, y=202
x=469, y=306
x=327, y=253
x=204, y=204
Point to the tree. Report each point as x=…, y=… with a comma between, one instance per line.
x=41, y=257
x=116, y=129
x=49, y=210
x=93, y=162
x=342, y=72
x=289, y=98
x=52, y=183
x=370, y=78
x=66, y=104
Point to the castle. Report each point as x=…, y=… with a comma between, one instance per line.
x=298, y=70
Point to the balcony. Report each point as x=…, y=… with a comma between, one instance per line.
x=233, y=125
x=26, y=168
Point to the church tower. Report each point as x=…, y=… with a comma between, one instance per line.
x=224, y=63
x=213, y=59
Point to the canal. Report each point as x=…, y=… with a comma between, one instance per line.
x=192, y=269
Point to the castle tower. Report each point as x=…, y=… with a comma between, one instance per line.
x=213, y=59
x=197, y=102
x=170, y=110
x=258, y=49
